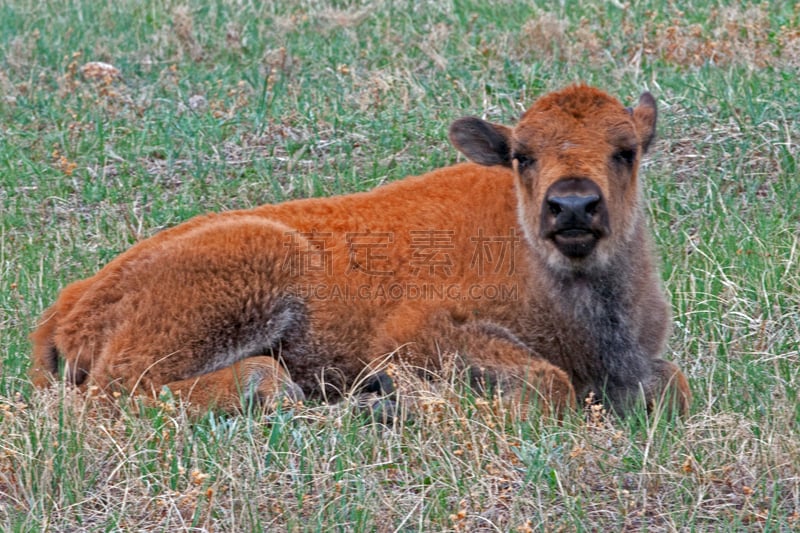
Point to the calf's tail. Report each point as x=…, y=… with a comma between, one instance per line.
x=44, y=364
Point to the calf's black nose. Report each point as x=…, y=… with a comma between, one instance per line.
x=578, y=207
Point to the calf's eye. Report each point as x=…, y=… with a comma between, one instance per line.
x=625, y=156
x=524, y=161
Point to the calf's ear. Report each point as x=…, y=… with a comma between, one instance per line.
x=483, y=142
x=644, y=116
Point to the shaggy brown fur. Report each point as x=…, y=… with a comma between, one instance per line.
x=532, y=263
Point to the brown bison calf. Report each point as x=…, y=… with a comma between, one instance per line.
x=532, y=263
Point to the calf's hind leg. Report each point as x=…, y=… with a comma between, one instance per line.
x=251, y=381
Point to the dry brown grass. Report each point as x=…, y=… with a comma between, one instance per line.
x=730, y=36
x=453, y=463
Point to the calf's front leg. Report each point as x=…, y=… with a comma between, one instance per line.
x=668, y=388
x=495, y=361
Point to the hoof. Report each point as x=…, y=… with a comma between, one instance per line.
x=381, y=410
x=378, y=383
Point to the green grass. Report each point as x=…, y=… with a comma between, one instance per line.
x=314, y=98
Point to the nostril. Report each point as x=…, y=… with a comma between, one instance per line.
x=591, y=207
x=555, y=206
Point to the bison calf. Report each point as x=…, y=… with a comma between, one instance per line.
x=532, y=263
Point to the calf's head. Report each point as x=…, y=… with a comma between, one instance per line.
x=575, y=155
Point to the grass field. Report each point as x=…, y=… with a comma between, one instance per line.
x=235, y=103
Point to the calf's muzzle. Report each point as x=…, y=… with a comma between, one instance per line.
x=574, y=216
